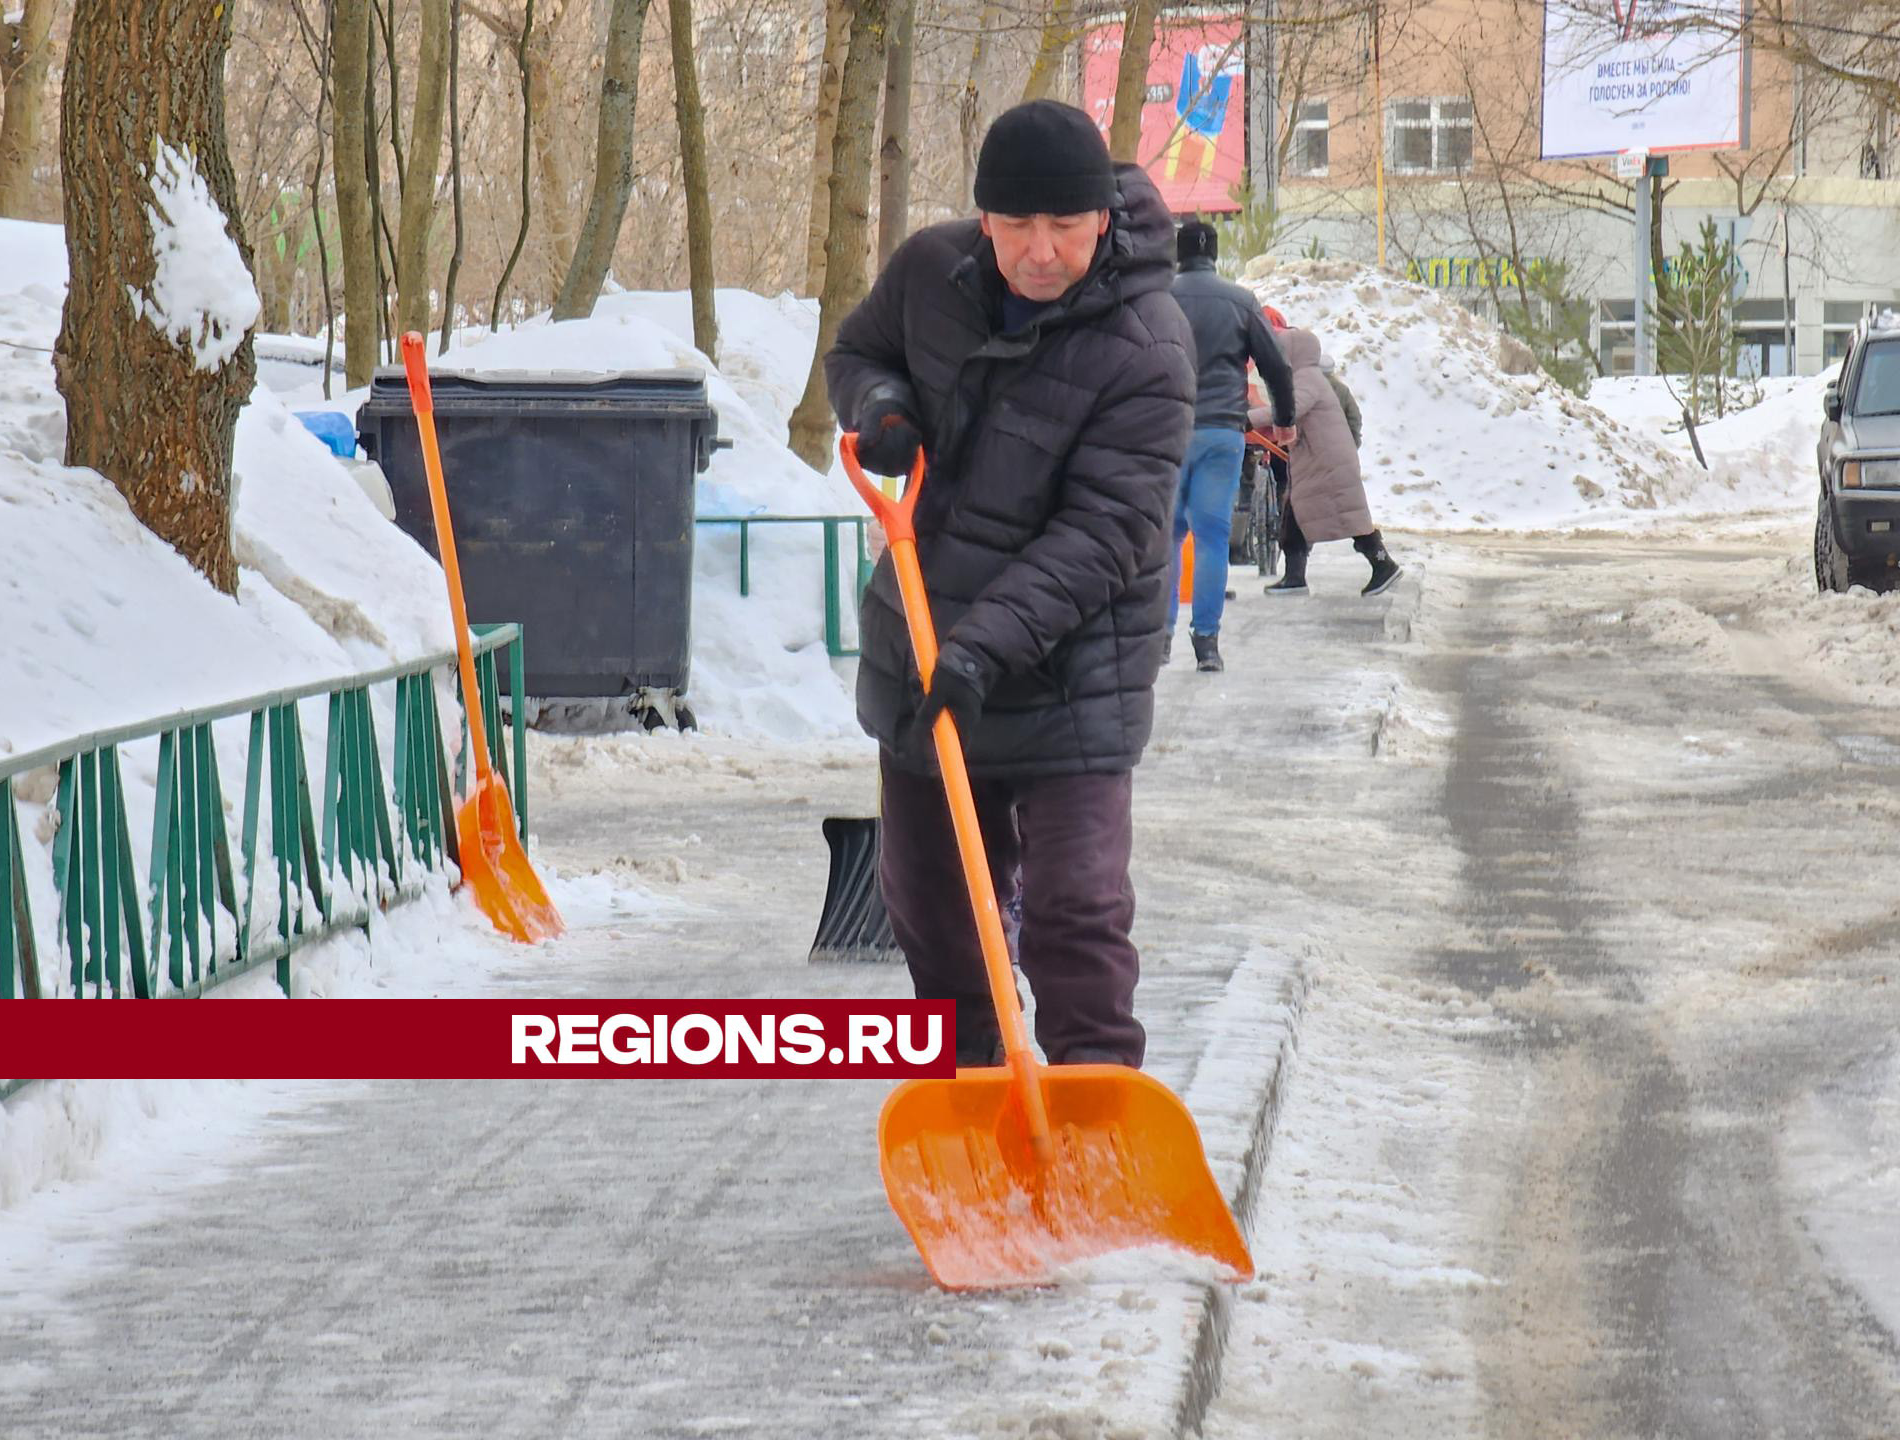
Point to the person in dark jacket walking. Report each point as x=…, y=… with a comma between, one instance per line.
x=1229, y=330
x=1036, y=356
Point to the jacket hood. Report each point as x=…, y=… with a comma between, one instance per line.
x=1140, y=234
x=1301, y=347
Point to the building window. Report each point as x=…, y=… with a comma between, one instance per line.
x=1429, y=136
x=1616, y=336
x=1312, y=127
x=1761, y=340
x=1838, y=321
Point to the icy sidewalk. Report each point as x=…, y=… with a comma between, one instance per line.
x=615, y=1258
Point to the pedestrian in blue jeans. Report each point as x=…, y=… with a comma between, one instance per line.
x=1229, y=330
x=1204, y=505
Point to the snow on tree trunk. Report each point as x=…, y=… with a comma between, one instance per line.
x=154, y=356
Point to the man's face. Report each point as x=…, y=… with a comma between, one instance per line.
x=1041, y=256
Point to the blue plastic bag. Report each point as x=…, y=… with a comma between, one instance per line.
x=333, y=429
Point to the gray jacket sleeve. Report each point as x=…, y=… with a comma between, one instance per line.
x=1354, y=422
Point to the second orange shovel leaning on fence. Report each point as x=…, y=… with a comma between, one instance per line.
x=494, y=866
x=1003, y=1176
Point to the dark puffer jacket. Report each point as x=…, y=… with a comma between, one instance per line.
x=1229, y=330
x=1054, y=452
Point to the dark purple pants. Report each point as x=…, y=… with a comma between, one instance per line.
x=1071, y=837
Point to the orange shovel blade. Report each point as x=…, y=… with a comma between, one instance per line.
x=1128, y=1172
x=496, y=870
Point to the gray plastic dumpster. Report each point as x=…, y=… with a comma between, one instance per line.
x=572, y=497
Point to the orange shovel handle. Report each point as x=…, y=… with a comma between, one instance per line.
x=415, y=361
x=897, y=518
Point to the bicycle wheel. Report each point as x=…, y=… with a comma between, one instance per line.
x=1265, y=525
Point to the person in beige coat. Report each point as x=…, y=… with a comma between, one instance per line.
x=1326, y=497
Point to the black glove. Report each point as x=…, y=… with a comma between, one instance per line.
x=888, y=439
x=955, y=687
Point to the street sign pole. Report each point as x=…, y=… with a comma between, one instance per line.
x=1635, y=164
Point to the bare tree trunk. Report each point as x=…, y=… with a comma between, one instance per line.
x=455, y=171
x=850, y=219
x=26, y=55
x=1131, y=80
x=534, y=54
x=316, y=42
x=349, y=63
x=830, y=78
x=893, y=203
x=130, y=69
x=613, y=163
x=556, y=181
x=1057, y=34
x=969, y=104
x=692, y=124
x=527, y=153
x=418, y=165
x=425, y=149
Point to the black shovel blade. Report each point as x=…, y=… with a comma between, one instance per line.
x=854, y=926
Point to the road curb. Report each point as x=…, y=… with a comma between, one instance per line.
x=1201, y=1383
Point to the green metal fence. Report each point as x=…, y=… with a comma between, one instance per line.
x=331, y=860
x=834, y=563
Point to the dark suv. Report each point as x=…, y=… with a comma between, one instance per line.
x=1857, y=524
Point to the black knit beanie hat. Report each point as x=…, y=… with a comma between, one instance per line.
x=1197, y=241
x=1044, y=158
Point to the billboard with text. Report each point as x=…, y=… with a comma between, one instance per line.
x=1650, y=75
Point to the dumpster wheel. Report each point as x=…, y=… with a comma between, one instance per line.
x=657, y=709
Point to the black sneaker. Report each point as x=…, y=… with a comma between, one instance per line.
x=1385, y=572
x=1206, y=652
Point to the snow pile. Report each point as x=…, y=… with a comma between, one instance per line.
x=201, y=295
x=1451, y=441
x=108, y=625
x=1765, y=453
x=1854, y=638
x=759, y=664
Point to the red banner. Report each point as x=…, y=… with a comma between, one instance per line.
x=1194, y=122
x=479, y=1039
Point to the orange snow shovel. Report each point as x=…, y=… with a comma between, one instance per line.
x=1004, y=1175
x=494, y=866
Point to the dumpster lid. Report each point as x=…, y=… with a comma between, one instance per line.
x=457, y=389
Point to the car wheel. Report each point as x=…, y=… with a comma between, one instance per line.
x=1830, y=566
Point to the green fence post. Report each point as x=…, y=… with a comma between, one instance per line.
x=517, y=684
x=253, y=796
x=89, y=863
x=834, y=625
x=9, y=926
